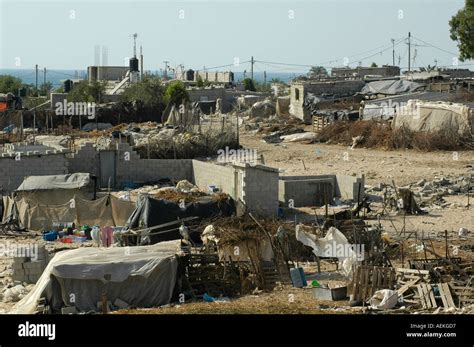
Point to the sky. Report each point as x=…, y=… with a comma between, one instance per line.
x=59, y=34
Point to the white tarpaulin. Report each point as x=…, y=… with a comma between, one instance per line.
x=333, y=245
x=51, y=182
x=384, y=299
x=142, y=276
x=391, y=87
x=299, y=137
x=435, y=116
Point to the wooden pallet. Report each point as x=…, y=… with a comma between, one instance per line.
x=464, y=294
x=407, y=275
x=319, y=123
x=369, y=279
x=445, y=294
x=426, y=296
x=206, y=273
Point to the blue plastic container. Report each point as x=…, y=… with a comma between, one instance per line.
x=51, y=236
x=297, y=277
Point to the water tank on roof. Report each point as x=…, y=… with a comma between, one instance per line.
x=190, y=75
x=133, y=65
x=68, y=85
x=22, y=92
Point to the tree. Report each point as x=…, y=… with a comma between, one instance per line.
x=374, y=64
x=87, y=92
x=176, y=93
x=249, y=85
x=148, y=92
x=276, y=80
x=462, y=30
x=317, y=71
x=202, y=83
x=9, y=84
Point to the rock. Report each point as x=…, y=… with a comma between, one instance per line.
x=463, y=232
x=14, y=294
x=357, y=140
x=184, y=186
x=455, y=188
x=441, y=182
x=421, y=182
x=427, y=187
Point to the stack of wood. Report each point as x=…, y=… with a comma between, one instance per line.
x=417, y=290
x=206, y=274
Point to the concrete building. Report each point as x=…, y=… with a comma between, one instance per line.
x=225, y=77
x=363, y=72
x=334, y=89
x=106, y=73
x=210, y=95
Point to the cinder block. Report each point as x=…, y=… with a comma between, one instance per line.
x=69, y=310
x=120, y=303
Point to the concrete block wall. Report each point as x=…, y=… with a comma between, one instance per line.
x=145, y=170
x=308, y=190
x=29, y=269
x=348, y=186
x=223, y=177
x=86, y=159
x=12, y=172
x=260, y=189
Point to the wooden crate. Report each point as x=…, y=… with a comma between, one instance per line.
x=368, y=279
x=319, y=123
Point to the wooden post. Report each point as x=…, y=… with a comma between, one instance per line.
x=446, y=243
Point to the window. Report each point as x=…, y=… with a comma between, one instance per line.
x=297, y=93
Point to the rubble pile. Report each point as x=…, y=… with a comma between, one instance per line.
x=430, y=193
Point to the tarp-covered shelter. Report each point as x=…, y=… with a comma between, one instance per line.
x=435, y=116
x=152, y=212
x=105, y=211
x=56, y=189
x=142, y=276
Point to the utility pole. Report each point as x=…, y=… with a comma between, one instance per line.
x=141, y=63
x=165, y=74
x=409, y=51
x=36, y=69
x=393, y=51
x=264, y=77
x=44, y=81
x=251, y=68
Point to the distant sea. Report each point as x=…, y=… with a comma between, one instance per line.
x=56, y=77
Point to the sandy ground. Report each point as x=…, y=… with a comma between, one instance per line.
x=378, y=165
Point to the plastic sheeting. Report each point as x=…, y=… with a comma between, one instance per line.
x=105, y=211
x=69, y=181
x=330, y=246
x=384, y=299
x=142, y=276
x=92, y=212
x=435, y=116
x=391, y=87
x=151, y=212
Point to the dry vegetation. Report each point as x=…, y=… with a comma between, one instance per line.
x=380, y=135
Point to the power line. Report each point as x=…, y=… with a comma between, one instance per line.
x=438, y=48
